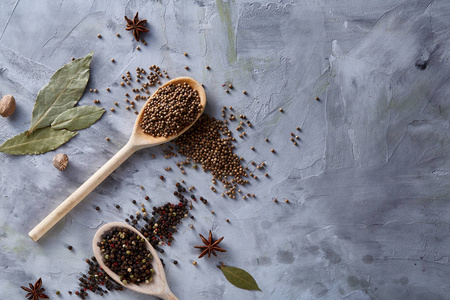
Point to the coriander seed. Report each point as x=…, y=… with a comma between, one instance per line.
x=99, y=35
x=244, y=92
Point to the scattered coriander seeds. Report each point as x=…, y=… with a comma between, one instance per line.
x=275, y=200
x=117, y=206
x=73, y=58
x=138, y=48
x=69, y=247
x=267, y=140
x=287, y=201
x=227, y=220
x=185, y=54
x=298, y=128
x=230, y=86
x=99, y=35
x=194, y=263
x=91, y=90
x=107, y=138
x=117, y=34
x=112, y=109
x=112, y=60
x=97, y=208
x=272, y=150
x=317, y=98
x=95, y=91
x=207, y=68
x=281, y=110
x=186, y=67
x=244, y=92
x=227, y=91
x=108, y=89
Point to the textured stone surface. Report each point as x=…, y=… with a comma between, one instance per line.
x=368, y=184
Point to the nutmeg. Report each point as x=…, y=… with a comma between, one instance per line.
x=60, y=161
x=7, y=106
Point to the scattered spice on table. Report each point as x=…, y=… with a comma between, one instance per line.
x=36, y=291
x=210, y=246
x=136, y=25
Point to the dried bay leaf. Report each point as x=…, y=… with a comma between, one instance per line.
x=240, y=278
x=37, y=142
x=63, y=91
x=78, y=118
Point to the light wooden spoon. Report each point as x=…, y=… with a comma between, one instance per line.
x=138, y=140
x=157, y=287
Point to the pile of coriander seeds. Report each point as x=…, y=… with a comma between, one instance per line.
x=204, y=144
x=171, y=109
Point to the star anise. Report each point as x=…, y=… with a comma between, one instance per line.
x=211, y=246
x=136, y=25
x=35, y=292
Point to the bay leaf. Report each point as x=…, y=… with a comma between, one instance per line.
x=37, y=142
x=78, y=118
x=63, y=91
x=240, y=278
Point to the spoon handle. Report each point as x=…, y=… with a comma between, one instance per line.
x=168, y=295
x=84, y=190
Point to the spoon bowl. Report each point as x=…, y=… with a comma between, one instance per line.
x=157, y=287
x=137, y=141
x=143, y=140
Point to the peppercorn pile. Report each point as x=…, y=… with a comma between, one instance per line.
x=203, y=144
x=170, y=110
x=126, y=254
x=159, y=228
x=96, y=281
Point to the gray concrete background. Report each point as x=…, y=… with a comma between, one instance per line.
x=368, y=183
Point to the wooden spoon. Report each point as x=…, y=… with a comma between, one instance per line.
x=157, y=287
x=138, y=140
